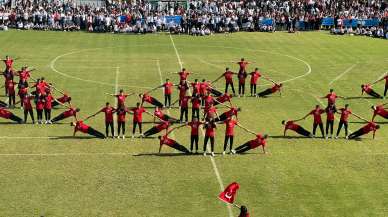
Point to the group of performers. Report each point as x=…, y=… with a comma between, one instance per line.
x=205, y=102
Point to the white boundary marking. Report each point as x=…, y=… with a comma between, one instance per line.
x=342, y=74
x=217, y=173
x=52, y=67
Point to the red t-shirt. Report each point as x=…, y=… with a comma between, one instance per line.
x=41, y=87
x=275, y=88
x=228, y=76
x=317, y=115
x=24, y=75
x=121, y=99
x=330, y=112
x=345, y=114
x=185, y=102
x=147, y=98
x=182, y=90
x=8, y=63
x=166, y=141
x=331, y=97
x=210, y=130
x=168, y=88
x=80, y=126
x=108, y=111
x=158, y=113
x=259, y=141
x=229, y=131
x=194, y=127
x=64, y=98
x=40, y=104
x=224, y=98
x=11, y=87
x=23, y=90
x=371, y=126
x=243, y=65
x=290, y=125
x=380, y=111
x=69, y=113
x=231, y=112
x=138, y=114
x=204, y=87
x=4, y=113
x=210, y=110
x=196, y=88
x=27, y=102
x=164, y=125
x=121, y=113
x=367, y=88
x=255, y=77
x=209, y=101
x=183, y=75
x=47, y=101
x=196, y=102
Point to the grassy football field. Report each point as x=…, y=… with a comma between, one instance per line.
x=45, y=171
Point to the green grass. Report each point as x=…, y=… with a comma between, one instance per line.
x=301, y=177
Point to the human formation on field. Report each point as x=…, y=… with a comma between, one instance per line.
x=202, y=97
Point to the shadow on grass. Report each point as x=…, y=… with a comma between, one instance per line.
x=290, y=137
x=72, y=137
x=10, y=123
x=184, y=154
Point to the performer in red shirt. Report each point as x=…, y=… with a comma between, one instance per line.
x=330, y=112
x=242, y=75
x=291, y=125
x=24, y=73
x=182, y=87
x=108, y=110
x=159, y=114
x=331, y=97
x=196, y=86
x=81, y=127
x=316, y=113
x=121, y=114
x=165, y=140
x=345, y=112
x=8, y=61
x=230, y=123
x=275, y=88
x=27, y=107
x=228, y=75
x=145, y=97
x=196, y=105
x=8, y=76
x=164, y=125
x=66, y=114
x=233, y=111
x=223, y=98
x=255, y=76
x=10, y=86
x=386, y=83
x=9, y=115
x=39, y=106
x=121, y=97
x=183, y=74
x=23, y=90
x=369, y=127
x=184, y=105
x=137, y=118
x=210, y=127
x=367, y=88
x=379, y=110
x=242, y=65
x=252, y=144
x=48, y=99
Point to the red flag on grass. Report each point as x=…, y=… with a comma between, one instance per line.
x=229, y=193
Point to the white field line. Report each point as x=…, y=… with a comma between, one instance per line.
x=342, y=74
x=52, y=67
x=217, y=173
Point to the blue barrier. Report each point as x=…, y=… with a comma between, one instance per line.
x=328, y=21
x=266, y=22
x=351, y=23
x=300, y=25
x=175, y=19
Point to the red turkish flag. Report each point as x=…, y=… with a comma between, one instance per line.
x=229, y=193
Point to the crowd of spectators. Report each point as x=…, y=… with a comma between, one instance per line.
x=199, y=17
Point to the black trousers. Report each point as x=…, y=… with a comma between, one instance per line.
x=11, y=99
x=241, y=88
x=243, y=148
x=39, y=114
x=120, y=127
x=185, y=113
x=156, y=103
x=253, y=89
x=194, y=141
x=3, y=104
x=180, y=147
x=303, y=132
x=385, y=90
x=356, y=134
x=151, y=131
x=57, y=118
x=135, y=123
x=21, y=99
x=320, y=127
x=95, y=133
x=107, y=126
x=169, y=118
x=345, y=124
x=167, y=100
x=265, y=92
x=194, y=113
x=215, y=92
x=222, y=117
x=230, y=139
x=47, y=114
x=374, y=94
x=227, y=87
x=329, y=124
x=31, y=112
x=207, y=138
